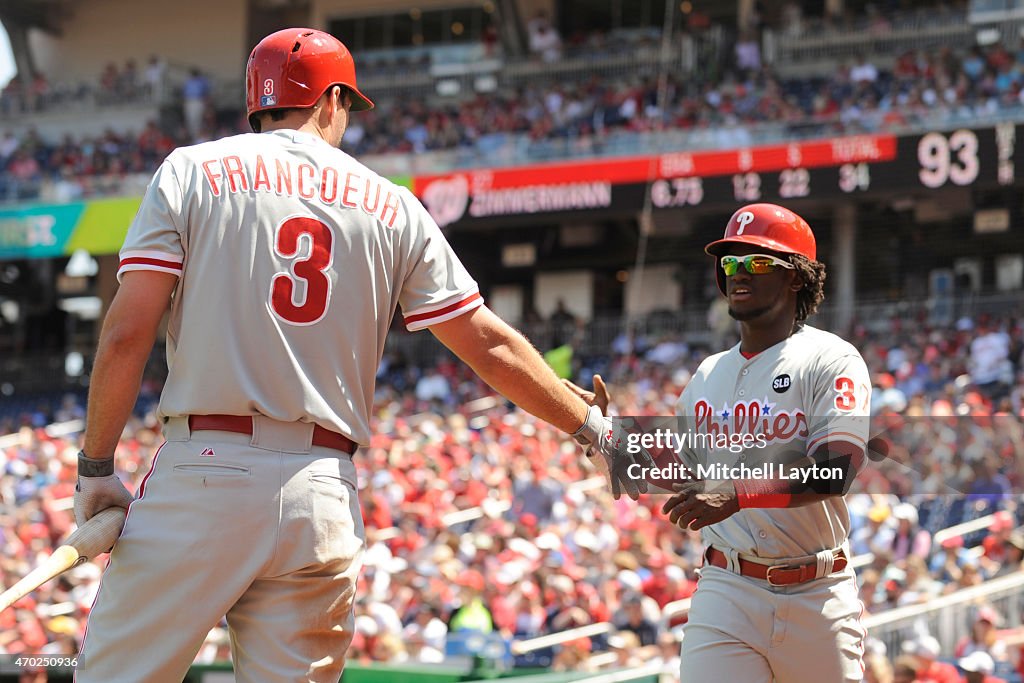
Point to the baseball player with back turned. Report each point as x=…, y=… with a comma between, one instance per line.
x=777, y=598
x=283, y=261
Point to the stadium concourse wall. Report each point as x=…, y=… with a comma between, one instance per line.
x=211, y=36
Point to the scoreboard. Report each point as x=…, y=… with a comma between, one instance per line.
x=966, y=157
x=830, y=169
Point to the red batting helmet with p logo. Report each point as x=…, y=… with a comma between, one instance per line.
x=768, y=226
x=293, y=67
x=772, y=227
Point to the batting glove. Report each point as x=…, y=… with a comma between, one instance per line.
x=98, y=488
x=607, y=447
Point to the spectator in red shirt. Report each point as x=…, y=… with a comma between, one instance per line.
x=994, y=544
x=983, y=637
x=978, y=667
x=666, y=584
x=930, y=670
x=24, y=167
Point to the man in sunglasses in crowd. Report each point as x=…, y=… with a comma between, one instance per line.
x=778, y=427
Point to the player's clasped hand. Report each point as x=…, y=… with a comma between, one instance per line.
x=700, y=503
x=605, y=438
x=598, y=397
x=616, y=460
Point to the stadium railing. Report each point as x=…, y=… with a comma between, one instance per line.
x=545, y=641
x=832, y=46
x=508, y=149
x=950, y=616
x=991, y=11
x=470, y=69
x=962, y=529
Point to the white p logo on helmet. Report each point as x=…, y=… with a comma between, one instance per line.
x=744, y=219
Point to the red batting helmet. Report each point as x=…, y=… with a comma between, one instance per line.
x=294, y=67
x=769, y=226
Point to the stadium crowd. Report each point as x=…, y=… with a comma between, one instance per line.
x=857, y=97
x=543, y=548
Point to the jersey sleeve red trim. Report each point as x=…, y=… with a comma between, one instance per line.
x=148, y=260
x=418, y=321
x=849, y=437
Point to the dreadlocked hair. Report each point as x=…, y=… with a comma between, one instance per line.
x=812, y=274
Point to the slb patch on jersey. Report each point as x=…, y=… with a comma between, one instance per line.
x=781, y=384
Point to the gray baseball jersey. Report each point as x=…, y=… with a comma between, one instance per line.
x=281, y=242
x=804, y=391
x=811, y=388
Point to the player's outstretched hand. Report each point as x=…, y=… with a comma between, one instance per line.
x=700, y=503
x=598, y=397
x=606, y=444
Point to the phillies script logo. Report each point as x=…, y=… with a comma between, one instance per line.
x=446, y=199
x=750, y=417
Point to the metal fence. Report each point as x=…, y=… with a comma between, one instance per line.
x=686, y=55
x=509, y=149
x=948, y=618
x=817, y=45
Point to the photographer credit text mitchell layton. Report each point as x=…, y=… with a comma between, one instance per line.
x=663, y=439
x=770, y=471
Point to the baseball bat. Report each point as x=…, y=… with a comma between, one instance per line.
x=89, y=540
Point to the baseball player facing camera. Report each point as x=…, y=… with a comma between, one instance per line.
x=777, y=598
x=283, y=261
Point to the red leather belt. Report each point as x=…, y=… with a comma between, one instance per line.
x=775, y=574
x=242, y=424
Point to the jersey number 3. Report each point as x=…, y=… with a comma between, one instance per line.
x=310, y=270
x=845, y=400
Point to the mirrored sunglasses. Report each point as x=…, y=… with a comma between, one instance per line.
x=755, y=264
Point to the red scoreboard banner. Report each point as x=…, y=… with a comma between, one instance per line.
x=818, y=169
